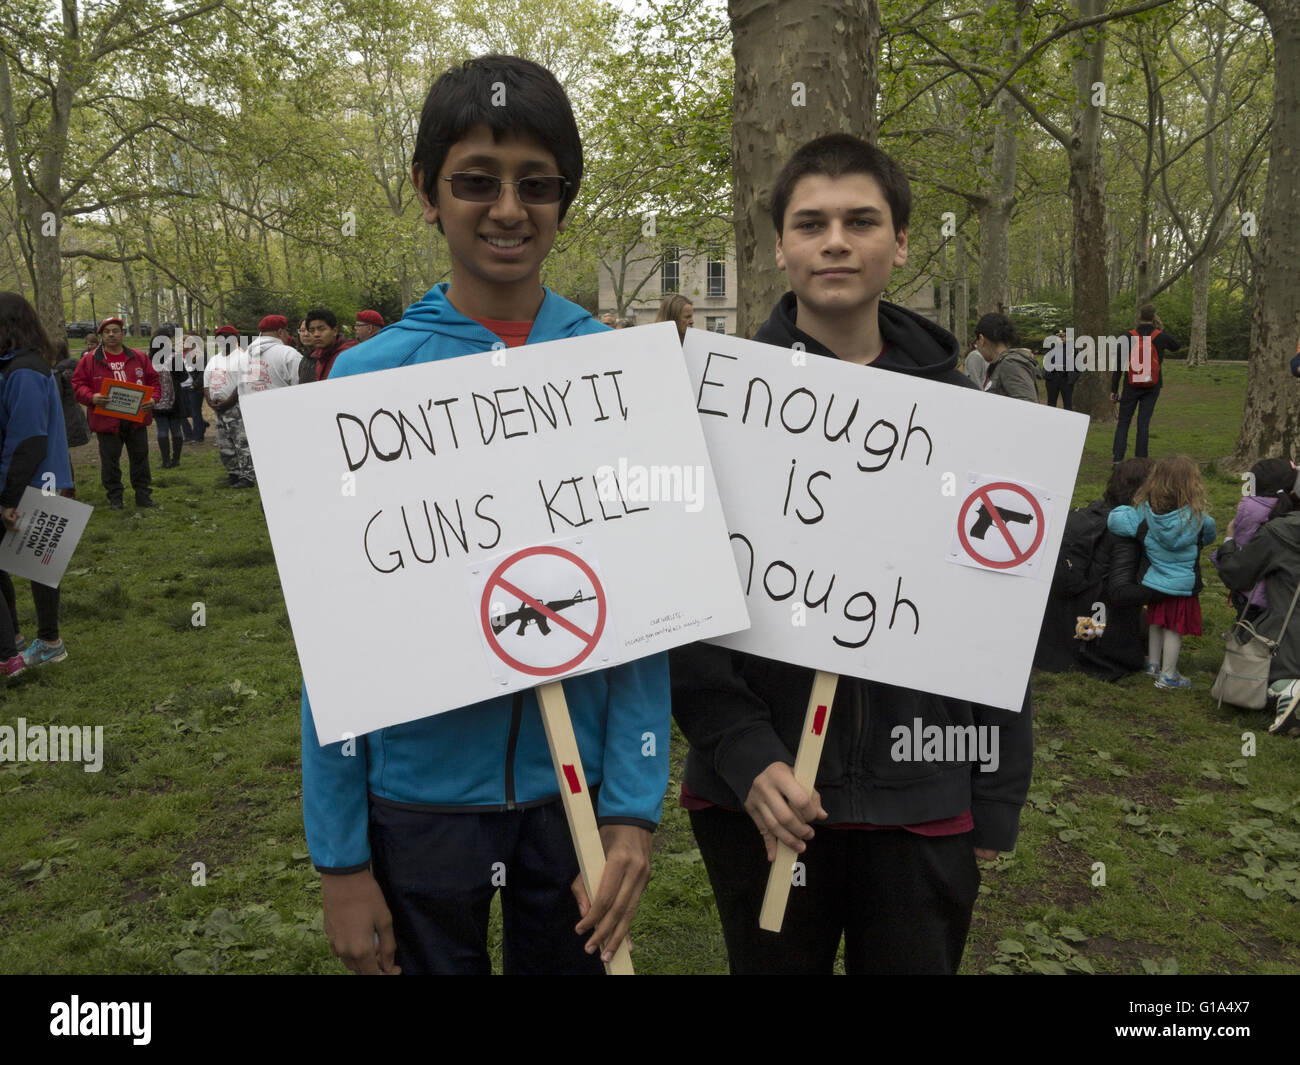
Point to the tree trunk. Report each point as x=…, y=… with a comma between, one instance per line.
x=995, y=212
x=1271, y=420
x=961, y=313
x=802, y=71
x=1197, y=353
x=1087, y=197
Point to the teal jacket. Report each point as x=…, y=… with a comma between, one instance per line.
x=1171, y=544
x=491, y=756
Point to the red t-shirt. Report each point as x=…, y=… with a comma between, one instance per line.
x=514, y=334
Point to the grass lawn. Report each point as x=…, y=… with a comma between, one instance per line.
x=100, y=872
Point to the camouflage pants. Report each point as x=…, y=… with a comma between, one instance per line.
x=232, y=444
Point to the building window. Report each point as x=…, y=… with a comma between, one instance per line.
x=716, y=277
x=716, y=323
x=670, y=272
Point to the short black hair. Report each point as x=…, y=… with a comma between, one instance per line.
x=322, y=314
x=997, y=328
x=534, y=104
x=834, y=156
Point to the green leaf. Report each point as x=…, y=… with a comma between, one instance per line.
x=1069, y=835
x=1082, y=964
x=62, y=846
x=1048, y=967
x=1011, y=946
x=90, y=920
x=192, y=962
x=1271, y=804
x=1074, y=935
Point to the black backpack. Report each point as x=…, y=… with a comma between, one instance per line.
x=1077, y=569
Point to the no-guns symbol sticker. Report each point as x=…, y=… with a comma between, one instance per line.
x=1001, y=526
x=543, y=611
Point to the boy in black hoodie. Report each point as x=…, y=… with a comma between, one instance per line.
x=893, y=869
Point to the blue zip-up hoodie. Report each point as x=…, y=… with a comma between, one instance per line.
x=492, y=756
x=32, y=438
x=1171, y=544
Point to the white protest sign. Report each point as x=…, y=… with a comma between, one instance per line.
x=398, y=501
x=49, y=529
x=845, y=490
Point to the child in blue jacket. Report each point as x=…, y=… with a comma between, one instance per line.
x=1175, y=509
x=415, y=827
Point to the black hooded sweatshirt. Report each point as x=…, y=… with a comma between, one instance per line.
x=741, y=712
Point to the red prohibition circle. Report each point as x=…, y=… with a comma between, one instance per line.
x=591, y=640
x=982, y=494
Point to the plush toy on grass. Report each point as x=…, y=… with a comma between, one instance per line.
x=1087, y=628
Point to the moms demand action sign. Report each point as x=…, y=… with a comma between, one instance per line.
x=885, y=527
x=455, y=530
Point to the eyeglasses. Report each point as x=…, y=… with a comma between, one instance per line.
x=486, y=188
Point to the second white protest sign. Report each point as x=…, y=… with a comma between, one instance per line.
x=845, y=489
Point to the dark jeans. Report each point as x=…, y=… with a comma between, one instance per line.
x=436, y=871
x=135, y=438
x=47, y=614
x=170, y=434
x=901, y=901
x=193, y=399
x=1144, y=399
x=1065, y=389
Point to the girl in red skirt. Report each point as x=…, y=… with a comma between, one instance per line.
x=1170, y=514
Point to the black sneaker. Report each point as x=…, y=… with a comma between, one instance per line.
x=142, y=504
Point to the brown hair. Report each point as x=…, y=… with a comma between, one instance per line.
x=672, y=307
x=1174, y=483
x=20, y=327
x=1147, y=312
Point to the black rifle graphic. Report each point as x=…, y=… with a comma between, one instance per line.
x=984, y=520
x=527, y=615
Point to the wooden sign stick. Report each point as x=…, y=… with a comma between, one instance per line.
x=577, y=802
x=816, y=723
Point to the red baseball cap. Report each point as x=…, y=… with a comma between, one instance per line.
x=371, y=318
x=272, y=322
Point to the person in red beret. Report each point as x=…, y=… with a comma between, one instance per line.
x=367, y=325
x=273, y=362
x=112, y=361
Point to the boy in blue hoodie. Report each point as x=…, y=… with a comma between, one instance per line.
x=414, y=827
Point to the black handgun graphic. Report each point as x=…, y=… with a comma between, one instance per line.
x=984, y=520
x=527, y=615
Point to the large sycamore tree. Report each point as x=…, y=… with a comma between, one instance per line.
x=1270, y=424
x=802, y=70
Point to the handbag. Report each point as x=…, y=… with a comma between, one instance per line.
x=1243, y=677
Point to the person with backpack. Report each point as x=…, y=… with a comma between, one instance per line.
x=1170, y=518
x=1012, y=370
x=1270, y=481
x=1141, y=380
x=1097, y=567
x=1273, y=557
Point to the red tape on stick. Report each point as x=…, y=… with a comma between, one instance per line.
x=571, y=775
x=819, y=720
